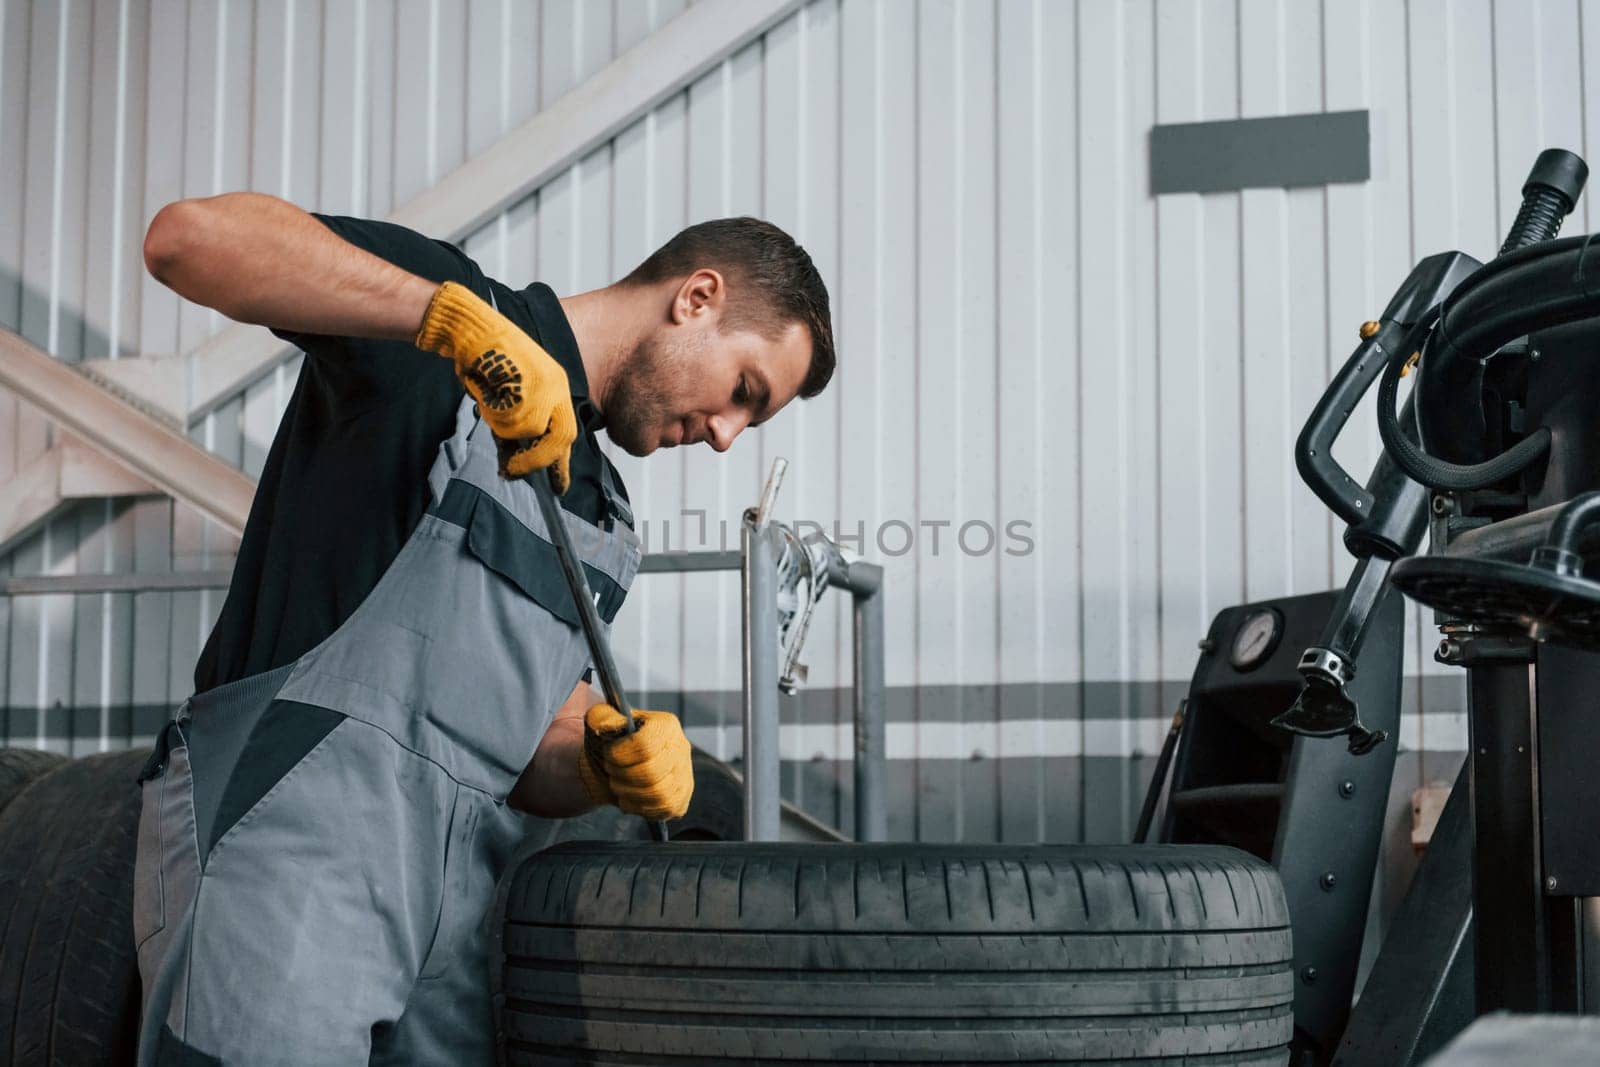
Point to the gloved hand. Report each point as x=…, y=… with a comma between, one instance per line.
x=648, y=772
x=521, y=391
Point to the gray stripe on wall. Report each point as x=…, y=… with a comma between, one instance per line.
x=78, y=729
x=1093, y=798
x=1102, y=701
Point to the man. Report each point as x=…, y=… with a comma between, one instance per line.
x=324, y=822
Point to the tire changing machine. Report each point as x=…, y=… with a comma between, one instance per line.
x=1505, y=435
x=1496, y=456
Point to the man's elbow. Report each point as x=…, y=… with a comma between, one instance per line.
x=170, y=238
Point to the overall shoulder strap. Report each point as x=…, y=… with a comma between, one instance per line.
x=453, y=451
x=616, y=505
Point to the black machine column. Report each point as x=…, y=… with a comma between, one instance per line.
x=1526, y=937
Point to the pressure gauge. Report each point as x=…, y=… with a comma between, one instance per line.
x=1255, y=640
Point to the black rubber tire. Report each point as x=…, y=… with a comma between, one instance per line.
x=69, y=980
x=19, y=766
x=773, y=953
x=716, y=813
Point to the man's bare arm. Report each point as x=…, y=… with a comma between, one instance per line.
x=262, y=260
x=550, y=787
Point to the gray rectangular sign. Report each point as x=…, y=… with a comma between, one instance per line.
x=1277, y=152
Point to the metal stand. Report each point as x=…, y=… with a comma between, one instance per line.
x=760, y=548
x=758, y=574
x=865, y=580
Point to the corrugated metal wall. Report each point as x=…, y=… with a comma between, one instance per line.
x=1026, y=336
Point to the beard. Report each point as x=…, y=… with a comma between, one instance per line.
x=639, y=404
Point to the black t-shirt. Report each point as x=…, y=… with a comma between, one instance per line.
x=346, y=479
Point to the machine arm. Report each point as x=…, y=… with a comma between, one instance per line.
x=1386, y=519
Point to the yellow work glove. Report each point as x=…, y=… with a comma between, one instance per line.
x=648, y=772
x=522, y=393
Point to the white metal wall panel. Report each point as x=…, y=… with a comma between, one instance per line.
x=110, y=109
x=1026, y=336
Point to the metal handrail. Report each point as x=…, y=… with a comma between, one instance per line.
x=127, y=436
x=66, y=584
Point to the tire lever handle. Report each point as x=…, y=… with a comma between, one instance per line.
x=588, y=616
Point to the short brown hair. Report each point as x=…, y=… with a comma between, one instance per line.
x=761, y=256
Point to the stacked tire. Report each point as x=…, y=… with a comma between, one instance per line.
x=69, y=988
x=69, y=978
x=19, y=767
x=757, y=953
x=620, y=951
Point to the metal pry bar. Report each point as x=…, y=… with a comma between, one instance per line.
x=588, y=617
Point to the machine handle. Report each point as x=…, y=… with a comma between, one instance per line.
x=1383, y=518
x=1429, y=282
x=1313, y=450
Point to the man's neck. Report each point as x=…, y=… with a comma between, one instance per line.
x=607, y=327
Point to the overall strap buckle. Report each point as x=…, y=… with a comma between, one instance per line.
x=170, y=737
x=617, y=508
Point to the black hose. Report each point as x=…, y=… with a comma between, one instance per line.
x=1488, y=334
x=1158, y=780
x=1548, y=195
x=1577, y=513
x=1515, y=293
x=1506, y=299
x=1538, y=220
x=1511, y=260
x=1420, y=466
x=1498, y=304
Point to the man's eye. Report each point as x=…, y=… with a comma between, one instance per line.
x=741, y=393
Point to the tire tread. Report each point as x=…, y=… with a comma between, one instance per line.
x=20, y=766
x=68, y=974
x=1118, y=954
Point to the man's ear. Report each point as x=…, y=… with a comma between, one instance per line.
x=701, y=293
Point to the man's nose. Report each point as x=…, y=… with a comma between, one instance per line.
x=725, y=427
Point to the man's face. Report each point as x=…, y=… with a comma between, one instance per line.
x=692, y=380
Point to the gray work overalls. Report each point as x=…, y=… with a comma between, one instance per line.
x=319, y=845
